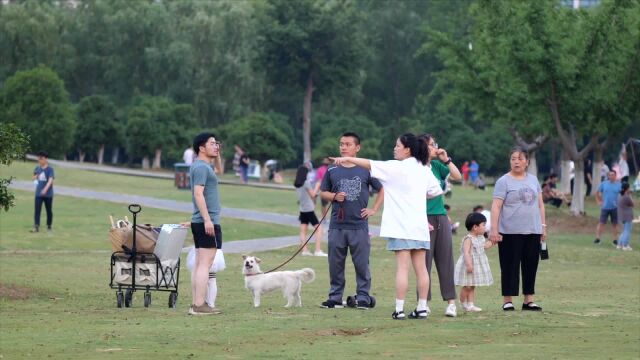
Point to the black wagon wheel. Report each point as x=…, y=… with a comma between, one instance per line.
x=147, y=299
x=173, y=299
x=119, y=298
x=128, y=297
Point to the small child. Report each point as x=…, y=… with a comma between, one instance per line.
x=472, y=268
x=307, y=204
x=217, y=266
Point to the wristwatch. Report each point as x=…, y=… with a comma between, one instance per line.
x=448, y=162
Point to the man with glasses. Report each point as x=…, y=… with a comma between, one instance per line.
x=441, y=243
x=205, y=222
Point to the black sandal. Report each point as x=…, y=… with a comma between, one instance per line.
x=531, y=306
x=508, y=306
x=398, y=315
x=415, y=314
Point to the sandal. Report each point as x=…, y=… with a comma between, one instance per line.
x=508, y=306
x=398, y=315
x=422, y=314
x=531, y=306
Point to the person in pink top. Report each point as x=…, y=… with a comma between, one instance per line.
x=465, y=172
x=319, y=176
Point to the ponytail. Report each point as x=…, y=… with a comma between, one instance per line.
x=417, y=147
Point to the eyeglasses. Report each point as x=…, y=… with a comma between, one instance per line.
x=216, y=144
x=434, y=144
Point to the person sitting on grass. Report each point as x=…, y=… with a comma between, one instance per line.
x=472, y=267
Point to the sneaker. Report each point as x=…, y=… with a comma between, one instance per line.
x=472, y=308
x=330, y=304
x=619, y=247
x=421, y=315
x=398, y=315
x=615, y=241
x=451, y=311
x=363, y=305
x=320, y=253
x=596, y=241
x=35, y=229
x=203, y=309
x=627, y=248
x=307, y=253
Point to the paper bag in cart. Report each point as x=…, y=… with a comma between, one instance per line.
x=122, y=238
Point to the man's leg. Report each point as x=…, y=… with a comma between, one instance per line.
x=337, y=255
x=36, y=215
x=360, y=247
x=48, y=205
x=204, y=260
x=614, y=224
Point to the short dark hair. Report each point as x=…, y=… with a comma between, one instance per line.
x=353, y=135
x=625, y=186
x=43, y=154
x=474, y=219
x=478, y=207
x=200, y=140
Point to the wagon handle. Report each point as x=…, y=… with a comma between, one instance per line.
x=135, y=208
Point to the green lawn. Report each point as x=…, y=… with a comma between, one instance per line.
x=83, y=224
x=244, y=197
x=590, y=295
x=59, y=305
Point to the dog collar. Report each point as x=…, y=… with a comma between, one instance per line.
x=253, y=274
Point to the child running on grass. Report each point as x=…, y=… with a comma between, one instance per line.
x=472, y=268
x=307, y=203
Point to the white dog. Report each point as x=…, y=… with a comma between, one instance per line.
x=289, y=281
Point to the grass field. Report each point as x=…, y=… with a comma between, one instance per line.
x=58, y=305
x=83, y=224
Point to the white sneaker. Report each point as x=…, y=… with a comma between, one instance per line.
x=472, y=308
x=451, y=311
x=627, y=248
x=320, y=253
x=307, y=253
x=619, y=247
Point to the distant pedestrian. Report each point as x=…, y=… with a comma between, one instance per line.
x=625, y=214
x=465, y=172
x=43, y=176
x=236, y=159
x=188, y=156
x=307, y=204
x=624, y=167
x=244, y=167
x=607, y=198
x=474, y=172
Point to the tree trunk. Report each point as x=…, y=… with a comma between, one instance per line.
x=565, y=174
x=577, y=198
x=598, y=162
x=81, y=155
x=533, y=164
x=306, y=120
x=145, y=163
x=157, y=159
x=101, y=154
x=114, y=156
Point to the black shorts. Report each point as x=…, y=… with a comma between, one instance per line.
x=612, y=213
x=202, y=240
x=308, y=218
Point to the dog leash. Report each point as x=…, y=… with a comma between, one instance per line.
x=309, y=239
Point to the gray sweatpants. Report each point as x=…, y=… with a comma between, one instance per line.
x=359, y=244
x=442, y=251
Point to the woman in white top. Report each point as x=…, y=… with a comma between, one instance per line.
x=407, y=185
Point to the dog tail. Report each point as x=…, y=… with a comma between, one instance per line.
x=307, y=275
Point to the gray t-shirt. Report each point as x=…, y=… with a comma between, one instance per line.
x=355, y=182
x=625, y=208
x=520, y=211
x=305, y=201
x=201, y=173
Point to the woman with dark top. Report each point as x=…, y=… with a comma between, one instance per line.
x=518, y=227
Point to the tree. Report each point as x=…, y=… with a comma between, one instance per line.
x=260, y=137
x=97, y=126
x=37, y=102
x=331, y=126
x=312, y=46
x=566, y=72
x=13, y=146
